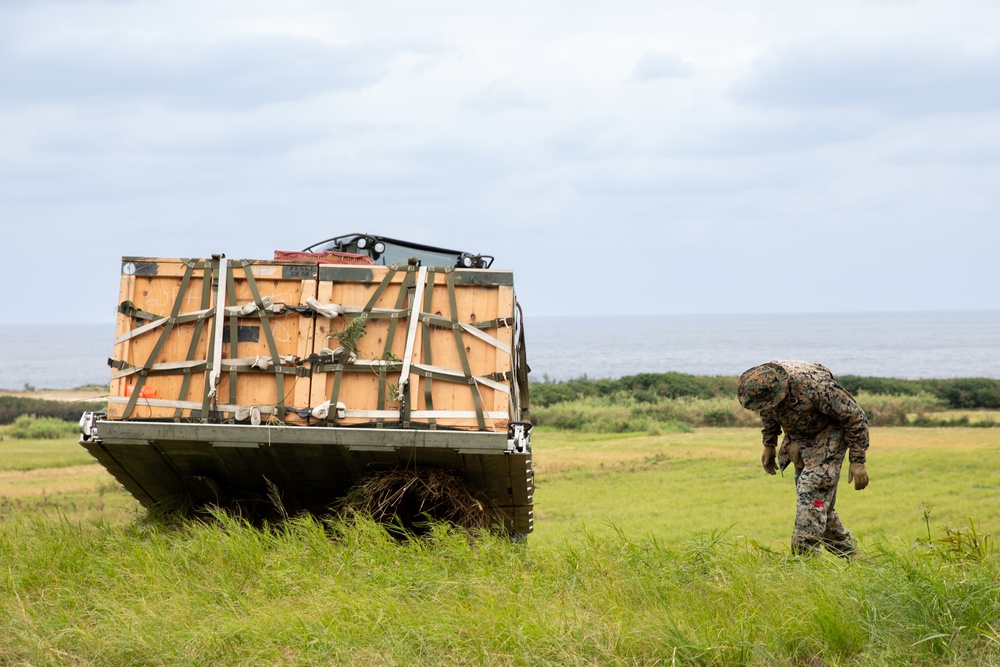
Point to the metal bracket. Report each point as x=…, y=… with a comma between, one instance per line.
x=88, y=426
x=519, y=437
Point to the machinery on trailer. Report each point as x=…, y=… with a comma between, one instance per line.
x=238, y=381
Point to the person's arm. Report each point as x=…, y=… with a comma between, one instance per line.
x=772, y=429
x=835, y=402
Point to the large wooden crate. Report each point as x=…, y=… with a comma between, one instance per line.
x=174, y=358
x=431, y=347
x=449, y=365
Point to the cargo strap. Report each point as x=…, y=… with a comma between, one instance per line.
x=195, y=316
x=268, y=334
x=234, y=330
x=411, y=337
x=189, y=405
x=390, y=337
x=330, y=310
x=366, y=312
x=451, y=375
x=206, y=291
x=446, y=323
x=249, y=364
x=214, y=374
x=428, y=358
x=155, y=353
x=128, y=309
x=477, y=398
x=242, y=412
x=493, y=324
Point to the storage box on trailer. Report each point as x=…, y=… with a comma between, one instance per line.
x=409, y=345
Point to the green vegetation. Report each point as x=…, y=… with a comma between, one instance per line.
x=32, y=427
x=664, y=402
x=656, y=542
x=335, y=593
x=644, y=388
x=31, y=454
x=955, y=394
x=12, y=407
x=665, y=549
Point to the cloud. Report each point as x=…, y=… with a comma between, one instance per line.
x=499, y=96
x=660, y=65
x=246, y=71
x=900, y=80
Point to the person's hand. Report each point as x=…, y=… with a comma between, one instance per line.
x=857, y=474
x=768, y=459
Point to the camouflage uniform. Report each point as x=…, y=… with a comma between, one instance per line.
x=822, y=421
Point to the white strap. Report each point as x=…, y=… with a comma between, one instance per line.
x=330, y=310
x=220, y=309
x=189, y=405
x=411, y=333
x=485, y=337
x=250, y=308
x=451, y=371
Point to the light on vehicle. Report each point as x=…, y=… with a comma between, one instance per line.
x=465, y=262
x=362, y=243
x=379, y=247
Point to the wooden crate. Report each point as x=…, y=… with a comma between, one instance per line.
x=435, y=350
x=447, y=367
x=166, y=337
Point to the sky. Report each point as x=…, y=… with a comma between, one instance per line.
x=634, y=157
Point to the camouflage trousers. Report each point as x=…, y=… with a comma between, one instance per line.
x=817, y=474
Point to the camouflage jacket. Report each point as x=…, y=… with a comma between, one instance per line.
x=815, y=401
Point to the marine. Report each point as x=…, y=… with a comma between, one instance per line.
x=822, y=423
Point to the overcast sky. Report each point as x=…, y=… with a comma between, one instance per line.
x=623, y=158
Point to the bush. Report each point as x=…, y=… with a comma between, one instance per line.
x=966, y=393
x=887, y=386
x=957, y=393
x=620, y=413
x=593, y=415
x=12, y=407
x=644, y=387
x=32, y=427
x=894, y=410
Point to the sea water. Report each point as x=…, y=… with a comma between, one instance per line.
x=902, y=345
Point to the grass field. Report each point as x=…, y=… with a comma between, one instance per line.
x=665, y=549
x=671, y=485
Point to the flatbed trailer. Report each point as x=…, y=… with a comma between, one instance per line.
x=278, y=385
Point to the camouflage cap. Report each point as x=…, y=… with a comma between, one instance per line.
x=763, y=387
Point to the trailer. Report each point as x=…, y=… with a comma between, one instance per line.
x=276, y=386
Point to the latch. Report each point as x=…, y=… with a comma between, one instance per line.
x=519, y=437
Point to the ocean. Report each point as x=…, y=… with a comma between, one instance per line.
x=902, y=345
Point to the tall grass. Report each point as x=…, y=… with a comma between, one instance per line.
x=895, y=409
x=309, y=592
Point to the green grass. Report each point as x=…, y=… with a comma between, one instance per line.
x=31, y=454
x=313, y=593
x=665, y=549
